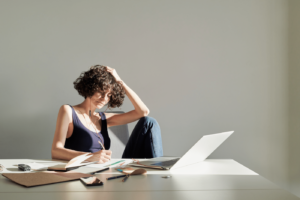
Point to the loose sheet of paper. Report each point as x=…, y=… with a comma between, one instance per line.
x=111, y=164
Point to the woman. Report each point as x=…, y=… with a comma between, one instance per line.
x=79, y=129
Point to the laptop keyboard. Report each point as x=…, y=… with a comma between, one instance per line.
x=166, y=163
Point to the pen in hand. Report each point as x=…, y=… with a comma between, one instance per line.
x=101, y=145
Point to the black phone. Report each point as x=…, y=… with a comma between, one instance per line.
x=24, y=167
x=91, y=181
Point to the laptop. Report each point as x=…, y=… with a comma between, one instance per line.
x=199, y=152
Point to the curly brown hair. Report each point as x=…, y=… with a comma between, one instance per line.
x=97, y=79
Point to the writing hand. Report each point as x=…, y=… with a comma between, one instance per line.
x=101, y=156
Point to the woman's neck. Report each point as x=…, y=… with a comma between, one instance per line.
x=87, y=106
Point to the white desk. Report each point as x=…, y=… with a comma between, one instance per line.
x=211, y=179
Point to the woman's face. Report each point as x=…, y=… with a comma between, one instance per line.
x=100, y=99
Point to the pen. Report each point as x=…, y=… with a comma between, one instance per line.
x=122, y=163
x=114, y=177
x=126, y=177
x=114, y=163
x=101, y=170
x=101, y=145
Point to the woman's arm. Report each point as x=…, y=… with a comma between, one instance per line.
x=64, y=120
x=140, y=109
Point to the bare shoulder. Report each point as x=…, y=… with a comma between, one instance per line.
x=65, y=111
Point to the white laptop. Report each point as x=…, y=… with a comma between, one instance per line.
x=199, y=152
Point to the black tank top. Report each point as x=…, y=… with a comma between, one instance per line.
x=83, y=139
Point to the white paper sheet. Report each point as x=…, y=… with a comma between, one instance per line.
x=111, y=163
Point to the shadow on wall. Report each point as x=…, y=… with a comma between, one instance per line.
x=119, y=136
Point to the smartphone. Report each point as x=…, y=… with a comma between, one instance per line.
x=91, y=181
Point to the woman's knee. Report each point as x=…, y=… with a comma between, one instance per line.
x=148, y=120
x=147, y=125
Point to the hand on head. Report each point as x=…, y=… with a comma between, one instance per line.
x=114, y=74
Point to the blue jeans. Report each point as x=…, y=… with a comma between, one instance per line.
x=145, y=140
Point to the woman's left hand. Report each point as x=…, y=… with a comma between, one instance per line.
x=114, y=73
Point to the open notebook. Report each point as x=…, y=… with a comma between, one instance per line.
x=72, y=164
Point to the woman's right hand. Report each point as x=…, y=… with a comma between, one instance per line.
x=101, y=156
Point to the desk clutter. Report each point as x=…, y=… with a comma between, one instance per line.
x=35, y=174
x=128, y=172
x=199, y=152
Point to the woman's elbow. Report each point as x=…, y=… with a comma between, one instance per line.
x=146, y=112
x=54, y=153
x=143, y=113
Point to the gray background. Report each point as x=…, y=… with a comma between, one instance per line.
x=202, y=67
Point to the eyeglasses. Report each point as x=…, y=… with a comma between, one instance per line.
x=1, y=168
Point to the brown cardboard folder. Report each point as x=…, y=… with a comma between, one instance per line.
x=43, y=178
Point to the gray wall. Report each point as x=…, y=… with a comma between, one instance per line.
x=202, y=67
x=294, y=95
